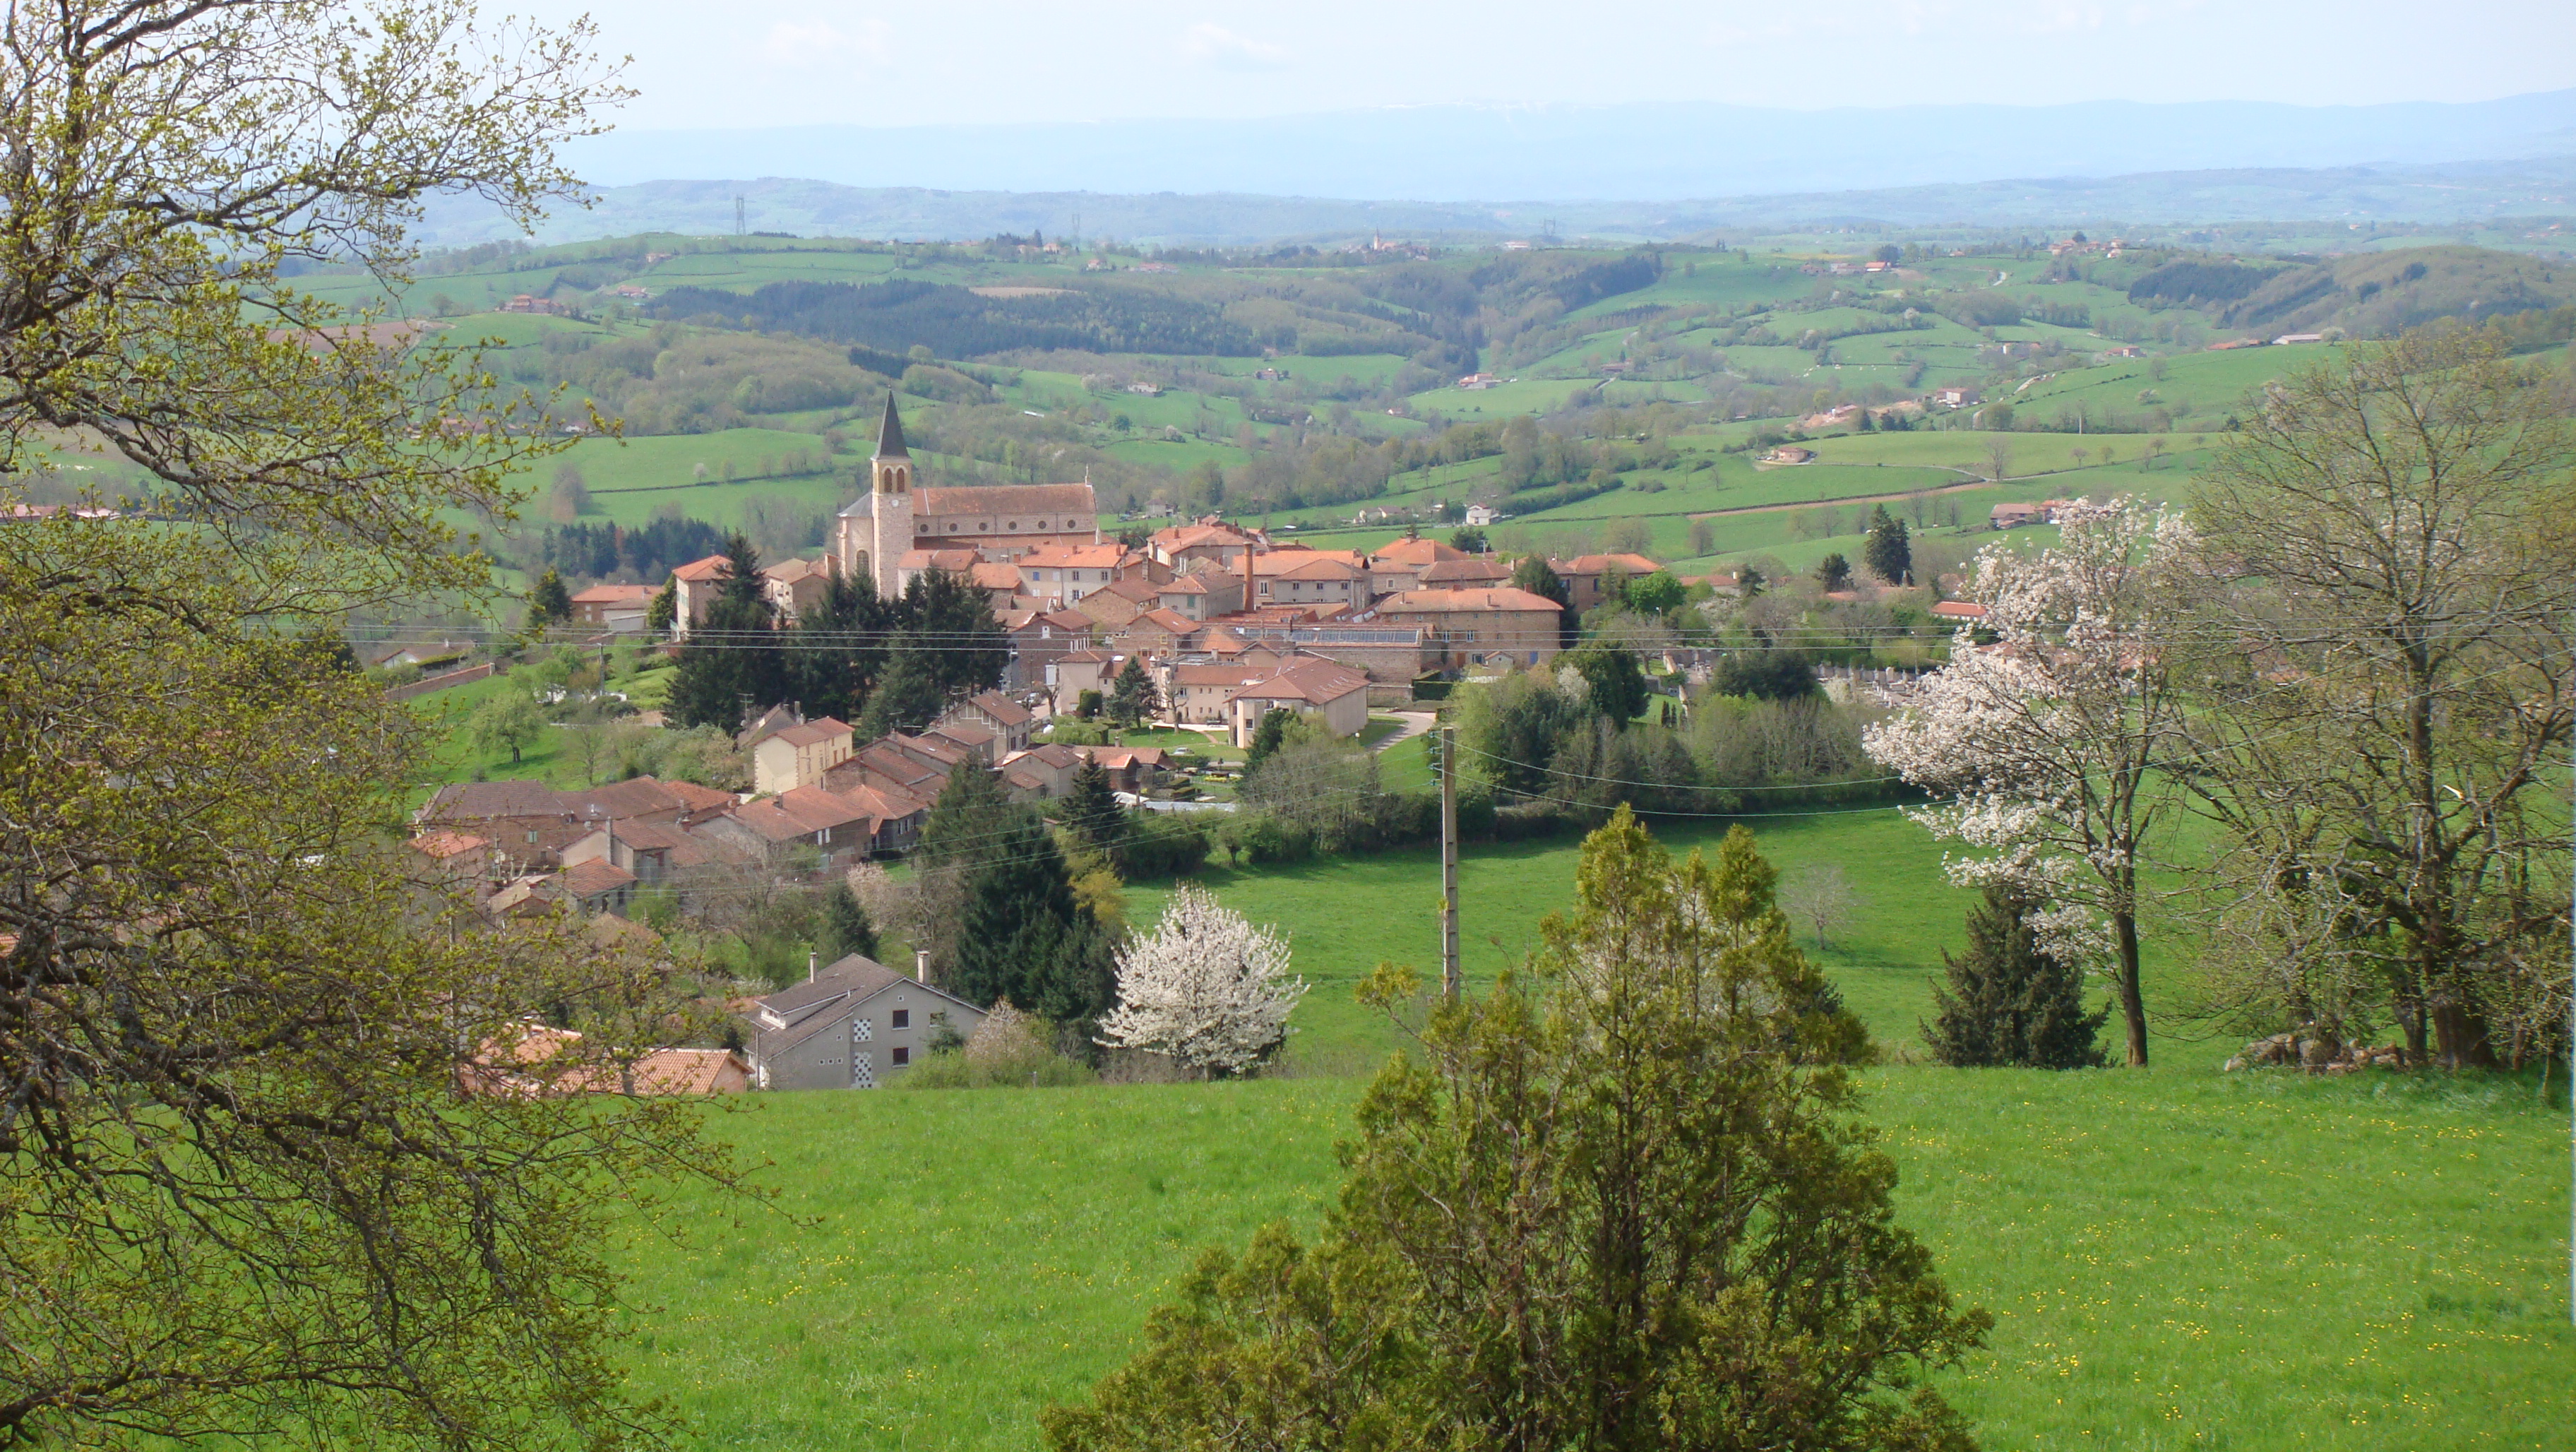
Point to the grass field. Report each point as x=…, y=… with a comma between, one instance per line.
x=2175, y=1259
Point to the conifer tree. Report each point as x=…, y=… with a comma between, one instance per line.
x=907, y=697
x=951, y=615
x=970, y=814
x=1020, y=936
x=1132, y=697
x=1092, y=813
x=839, y=649
x=2010, y=1003
x=549, y=602
x=846, y=928
x=1267, y=737
x=725, y=666
x=1889, y=551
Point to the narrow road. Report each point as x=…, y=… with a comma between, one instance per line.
x=1415, y=723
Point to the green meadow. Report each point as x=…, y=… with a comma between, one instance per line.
x=2175, y=1258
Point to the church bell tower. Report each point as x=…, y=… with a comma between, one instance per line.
x=889, y=504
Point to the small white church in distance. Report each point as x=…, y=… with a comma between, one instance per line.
x=899, y=527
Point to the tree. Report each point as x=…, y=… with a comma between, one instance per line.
x=1132, y=697
x=548, y=603
x=1888, y=551
x=1615, y=684
x=1658, y=594
x=1999, y=452
x=1091, y=811
x=1833, y=572
x=1206, y=989
x=1267, y=733
x=907, y=697
x=2385, y=549
x=1765, y=673
x=953, y=617
x=1532, y=573
x=726, y=668
x=510, y=722
x=245, y=1199
x=839, y=650
x=1624, y=1206
x=2049, y=745
x=664, y=608
x=1820, y=898
x=2010, y=1002
x=1467, y=541
x=846, y=928
x=1022, y=939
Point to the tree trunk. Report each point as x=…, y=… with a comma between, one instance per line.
x=2133, y=1006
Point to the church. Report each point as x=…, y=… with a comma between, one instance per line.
x=888, y=532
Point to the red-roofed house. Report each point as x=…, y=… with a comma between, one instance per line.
x=1009, y=722
x=1156, y=632
x=799, y=755
x=796, y=586
x=1114, y=604
x=1203, y=595
x=1474, y=625
x=1311, y=577
x=1583, y=575
x=1310, y=687
x=1062, y=575
x=1196, y=694
x=696, y=584
x=1078, y=671
x=613, y=607
x=1209, y=539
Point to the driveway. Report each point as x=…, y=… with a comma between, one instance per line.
x=1415, y=723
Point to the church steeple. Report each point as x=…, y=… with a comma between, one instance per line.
x=890, y=433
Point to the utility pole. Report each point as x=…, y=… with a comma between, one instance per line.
x=1449, y=982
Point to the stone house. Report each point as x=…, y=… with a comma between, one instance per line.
x=853, y=1025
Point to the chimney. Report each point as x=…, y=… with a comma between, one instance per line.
x=809, y=965
x=921, y=965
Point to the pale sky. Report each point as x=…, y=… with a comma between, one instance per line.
x=797, y=62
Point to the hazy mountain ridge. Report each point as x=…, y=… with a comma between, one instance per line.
x=2456, y=192
x=1650, y=151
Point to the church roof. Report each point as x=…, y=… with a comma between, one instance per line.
x=1074, y=501
x=890, y=433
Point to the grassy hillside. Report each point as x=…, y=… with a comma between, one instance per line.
x=2174, y=1259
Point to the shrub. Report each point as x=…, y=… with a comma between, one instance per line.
x=1008, y=1051
x=2008, y=1002
x=1163, y=844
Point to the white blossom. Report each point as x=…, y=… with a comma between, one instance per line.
x=1205, y=987
x=2042, y=741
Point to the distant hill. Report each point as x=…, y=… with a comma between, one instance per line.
x=2445, y=194
x=1634, y=152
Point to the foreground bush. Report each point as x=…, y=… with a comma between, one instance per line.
x=1626, y=1206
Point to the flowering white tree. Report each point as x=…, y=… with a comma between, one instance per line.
x=2044, y=741
x=1205, y=987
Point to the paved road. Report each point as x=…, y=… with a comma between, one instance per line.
x=1415, y=723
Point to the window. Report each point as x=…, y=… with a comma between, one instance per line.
x=903, y=1018
x=902, y=1055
